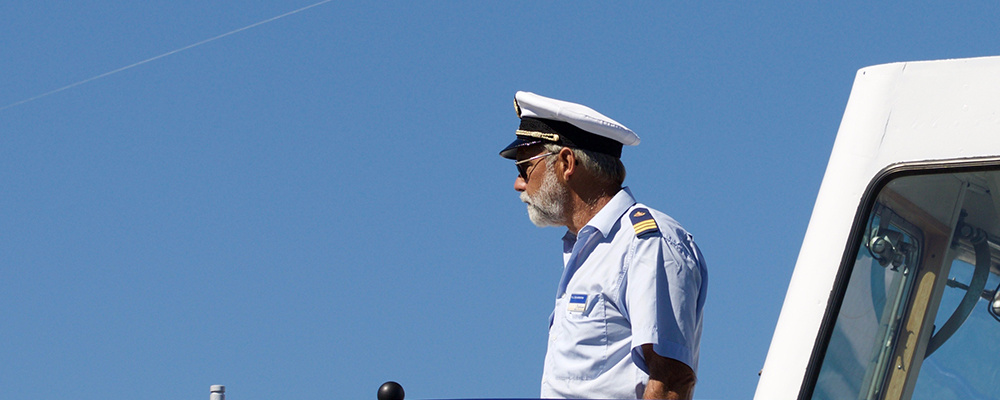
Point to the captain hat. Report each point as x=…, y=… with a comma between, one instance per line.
x=547, y=120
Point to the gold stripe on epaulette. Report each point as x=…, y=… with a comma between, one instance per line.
x=644, y=225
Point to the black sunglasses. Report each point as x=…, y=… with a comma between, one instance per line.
x=522, y=166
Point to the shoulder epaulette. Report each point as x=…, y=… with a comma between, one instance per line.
x=642, y=222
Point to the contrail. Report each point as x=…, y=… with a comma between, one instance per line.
x=96, y=77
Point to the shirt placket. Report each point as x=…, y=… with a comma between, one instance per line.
x=586, y=240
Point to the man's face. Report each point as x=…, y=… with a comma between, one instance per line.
x=541, y=189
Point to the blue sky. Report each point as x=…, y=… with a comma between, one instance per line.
x=314, y=206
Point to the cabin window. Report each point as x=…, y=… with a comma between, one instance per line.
x=917, y=319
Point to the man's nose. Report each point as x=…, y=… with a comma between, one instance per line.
x=520, y=184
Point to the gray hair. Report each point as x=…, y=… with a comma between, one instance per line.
x=605, y=167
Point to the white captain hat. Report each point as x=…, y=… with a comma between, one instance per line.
x=547, y=120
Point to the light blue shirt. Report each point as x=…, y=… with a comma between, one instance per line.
x=620, y=291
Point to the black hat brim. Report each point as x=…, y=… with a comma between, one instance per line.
x=510, y=152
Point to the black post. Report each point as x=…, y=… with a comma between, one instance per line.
x=390, y=391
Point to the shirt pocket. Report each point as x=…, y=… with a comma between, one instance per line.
x=583, y=343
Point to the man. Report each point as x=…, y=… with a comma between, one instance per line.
x=628, y=311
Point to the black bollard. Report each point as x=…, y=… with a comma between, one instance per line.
x=390, y=391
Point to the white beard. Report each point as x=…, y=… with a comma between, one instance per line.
x=548, y=206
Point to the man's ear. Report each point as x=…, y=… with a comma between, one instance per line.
x=568, y=162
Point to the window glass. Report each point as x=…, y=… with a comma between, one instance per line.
x=967, y=365
x=915, y=320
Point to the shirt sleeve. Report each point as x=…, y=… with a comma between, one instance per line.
x=661, y=294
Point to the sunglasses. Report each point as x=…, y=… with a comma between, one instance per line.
x=522, y=166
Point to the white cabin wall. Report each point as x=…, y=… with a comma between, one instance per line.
x=902, y=112
x=823, y=246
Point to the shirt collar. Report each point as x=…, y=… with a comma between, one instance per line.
x=609, y=215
